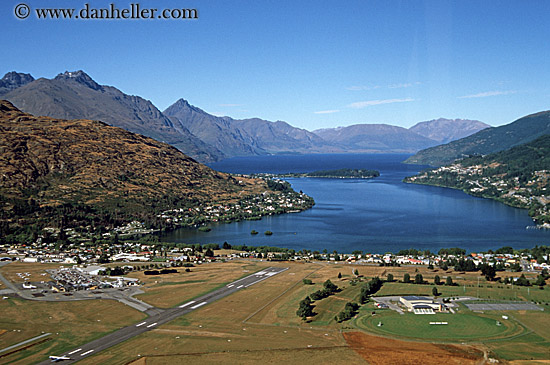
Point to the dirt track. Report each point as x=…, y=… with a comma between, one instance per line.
x=380, y=350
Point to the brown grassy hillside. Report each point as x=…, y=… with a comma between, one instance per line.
x=47, y=163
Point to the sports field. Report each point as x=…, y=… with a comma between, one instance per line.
x=460, y=327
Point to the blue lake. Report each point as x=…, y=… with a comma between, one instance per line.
x=377, y=215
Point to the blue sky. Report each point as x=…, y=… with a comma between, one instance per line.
x=314, y=64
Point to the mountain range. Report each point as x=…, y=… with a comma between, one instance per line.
x=247, y=136
x=205, y=137
x=75, y=95
x=486, y=141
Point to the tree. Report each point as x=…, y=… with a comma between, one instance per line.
x=437, y=280
x=307, y=281
x=418, y=279
x=369, y=288
x=356, y=272
x=390, y=278
x=330, y=286
x=209, y=253
x=523, y=281
x=489, y=272
x=541, y=281
x=465, y=265
x=305, y=309
x=449, y=281
x=226, y=246
x=339, y=275
x=435, y=292
x=444, y=266
x=349, y=311
x=406, y=278
x=505, y=250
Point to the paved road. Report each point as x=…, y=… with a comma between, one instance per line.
x=388, y=301
x=168, y=315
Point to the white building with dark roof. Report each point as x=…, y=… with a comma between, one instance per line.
x=420, y=305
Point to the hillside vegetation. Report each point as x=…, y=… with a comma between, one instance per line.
x=86, y=173
x=519, y=177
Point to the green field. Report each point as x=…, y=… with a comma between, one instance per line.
x=460, y=327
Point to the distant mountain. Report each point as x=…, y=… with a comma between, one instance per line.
x=375, y=137
x=87, y=170
x=216, y=131
x=75, y=95
x=487, y=141
x=13, y=80
x=447, y=130
x=244, y=137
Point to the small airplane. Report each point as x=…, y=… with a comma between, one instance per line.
x=58, y=358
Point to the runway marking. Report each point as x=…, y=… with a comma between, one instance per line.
x=240, y=286
x=140, y=324
x=186, y=304
x=271, y=273
x=86, y=353
x=230, y=286
x=198, y=305
x=260, y=273
x=254, y=283
x=152, y=324
x=74, y=352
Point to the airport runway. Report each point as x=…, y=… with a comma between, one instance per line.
x=168, y=315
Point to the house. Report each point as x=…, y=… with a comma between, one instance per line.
x=420, y=305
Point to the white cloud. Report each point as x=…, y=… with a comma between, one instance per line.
x=488, y=93
x=363, y=104
x=399, y=86
x=327, y=111
x=362, y=88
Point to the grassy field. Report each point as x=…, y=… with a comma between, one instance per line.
x=35, y=271
x=535, y=344
x=70, y=324
x=165, y=291
x=461, y=326
x=259, y=323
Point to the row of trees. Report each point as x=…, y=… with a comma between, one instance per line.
x=305, y=308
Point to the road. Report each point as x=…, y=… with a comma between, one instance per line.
x=168, y=315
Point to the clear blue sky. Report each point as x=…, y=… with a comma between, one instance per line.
x=314, y=64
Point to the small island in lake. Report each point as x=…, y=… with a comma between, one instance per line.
x=334, y=174
x=345, y=173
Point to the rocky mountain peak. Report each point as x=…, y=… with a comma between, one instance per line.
x=12, y=80
x=80, y=77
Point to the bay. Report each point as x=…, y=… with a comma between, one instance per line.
x=377, y=215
